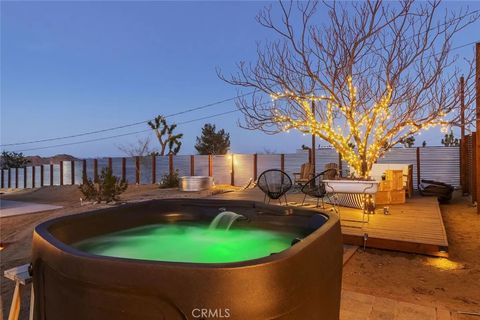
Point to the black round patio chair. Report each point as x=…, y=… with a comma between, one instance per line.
x=274, y=183
x=316, y=187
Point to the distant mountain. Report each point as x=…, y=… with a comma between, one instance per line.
x=37, y=160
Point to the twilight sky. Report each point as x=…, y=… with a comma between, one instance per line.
x=74, y=67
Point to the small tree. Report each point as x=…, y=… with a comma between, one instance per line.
x=11, y=159
x=165, y=135
x=267, y=151
x=450, y=141
x=424, y=143
x=211, y=141
x=108, y=188
x=408, y=141
x=170, y=180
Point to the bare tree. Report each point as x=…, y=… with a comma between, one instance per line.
x=372, y=76
x=268, y=151
x=140, y=148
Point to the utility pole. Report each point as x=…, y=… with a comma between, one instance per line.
x=313, y=143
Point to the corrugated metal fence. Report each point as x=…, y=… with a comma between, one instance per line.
x=435, y=163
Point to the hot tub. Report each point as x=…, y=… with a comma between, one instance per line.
x=195, y=183
x=302, y=281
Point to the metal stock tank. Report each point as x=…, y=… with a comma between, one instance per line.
x=195, y=183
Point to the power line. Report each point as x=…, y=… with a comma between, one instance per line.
x=170, y=115
x=123, y=134
x=126, y=125
x=207, y=105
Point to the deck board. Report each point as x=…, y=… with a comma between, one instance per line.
x=415, y=226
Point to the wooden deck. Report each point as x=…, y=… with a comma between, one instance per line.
x=415, y=227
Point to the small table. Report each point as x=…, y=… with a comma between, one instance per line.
x=22, y=277
x=365, y=187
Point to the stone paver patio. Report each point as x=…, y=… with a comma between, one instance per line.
x=359, y=306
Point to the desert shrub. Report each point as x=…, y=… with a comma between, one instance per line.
x=169, y=180
x=107, y=189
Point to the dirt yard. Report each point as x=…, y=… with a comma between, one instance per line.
x=453, y=283
x=16, y=231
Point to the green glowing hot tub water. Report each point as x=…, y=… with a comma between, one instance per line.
x=188, y=243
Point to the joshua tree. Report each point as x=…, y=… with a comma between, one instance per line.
x=374, y=74
x=165, y=135
x=450, y=141
x=212, y=141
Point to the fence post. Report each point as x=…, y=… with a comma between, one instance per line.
x=16, y=178
x=232, y=172
x=463, y=164
x=192, y=165
x=9, y=181
x=418, y=167
x=170, y=164
x=282, y=162
x=462, y=136
x=154, y=169
x=33, y=176
x=84, y=171
x=51, y=174
x=468, y=174
x=210, y=165
x=25, y=177
x=137, y=170
x=61, y=173
x=72, y=172
x=124, y=169
x=255, y=166
x=42, y=176
x=474, y=167
x=2, y=185
x=95, y=170
x=477, y=116
x=340, y=169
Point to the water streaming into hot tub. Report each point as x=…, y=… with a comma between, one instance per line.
x=224, y=220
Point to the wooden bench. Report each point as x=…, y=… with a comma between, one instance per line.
x=22, y=277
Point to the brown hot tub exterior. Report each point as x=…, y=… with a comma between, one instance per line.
x=302, y=282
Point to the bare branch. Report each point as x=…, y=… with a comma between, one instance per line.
x=377, y=73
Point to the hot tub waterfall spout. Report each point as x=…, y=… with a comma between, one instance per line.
x=225, y=219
